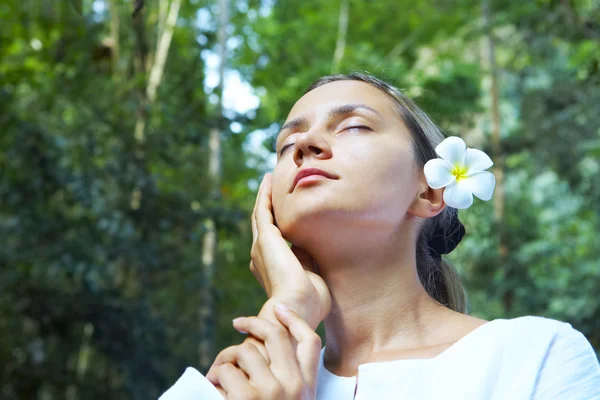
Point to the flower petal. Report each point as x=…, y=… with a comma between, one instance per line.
x=438, y=173
x=458, y=195
x=477, y=161
x=481, y=184
x=453, y=150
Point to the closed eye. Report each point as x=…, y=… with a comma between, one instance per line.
x=284, y=148
x=350, y=128
x=359, y=127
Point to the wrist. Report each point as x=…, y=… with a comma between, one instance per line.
x=308, y=312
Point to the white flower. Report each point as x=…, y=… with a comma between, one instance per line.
x=462, y=171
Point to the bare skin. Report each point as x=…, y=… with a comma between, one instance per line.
x=361, y=229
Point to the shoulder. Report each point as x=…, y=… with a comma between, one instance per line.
x=535, y=323
x=543, y=331
x=545, y=335
x=567, y=365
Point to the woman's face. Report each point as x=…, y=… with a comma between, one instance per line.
x=350, y=130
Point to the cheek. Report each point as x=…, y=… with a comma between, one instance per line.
x=376, y=177
x=387, y=176
x=383, y=168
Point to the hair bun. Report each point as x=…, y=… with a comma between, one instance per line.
x=447, y=235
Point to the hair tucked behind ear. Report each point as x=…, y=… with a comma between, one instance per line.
x=439, y=278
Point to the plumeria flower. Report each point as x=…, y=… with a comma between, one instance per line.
x=462, y=171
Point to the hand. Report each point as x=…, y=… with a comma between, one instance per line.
x=242, y=372
x=307, y=295
x=267, y=312
x=286, y=274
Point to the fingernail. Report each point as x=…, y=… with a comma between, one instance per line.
x=239, y=319
x=281, y=307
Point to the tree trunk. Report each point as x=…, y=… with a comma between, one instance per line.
x=82, y=362
x=163, y=8
x=207, y=311
x=497, y=153
x=340, y=44
x=162, y=50
x=114, y=35
x=141, y=45
x=158, y=67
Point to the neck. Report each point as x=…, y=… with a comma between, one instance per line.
x=378, y=301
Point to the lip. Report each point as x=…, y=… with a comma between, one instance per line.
x=311, y=171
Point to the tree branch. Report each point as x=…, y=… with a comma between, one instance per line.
x=340, y=45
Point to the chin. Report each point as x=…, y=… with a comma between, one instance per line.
x=303, y=229
x=298, y=230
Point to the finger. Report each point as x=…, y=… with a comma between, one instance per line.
x=264, y=213
x=233, y=380
x=254, y=227
x=213, y=373
x=253, y=217
x=226, y=355
x=278, y=344
x=261, y=348
x=221, y=391
x=229, y=355
x=253, y=364
x=253, y=267
x=309, y=343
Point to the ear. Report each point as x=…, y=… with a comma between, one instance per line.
x=428, y=202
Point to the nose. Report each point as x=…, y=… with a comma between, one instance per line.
x=311, y=144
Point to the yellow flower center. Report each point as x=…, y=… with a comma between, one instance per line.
x=459, y=172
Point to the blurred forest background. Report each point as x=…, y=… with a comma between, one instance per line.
x=134, y=134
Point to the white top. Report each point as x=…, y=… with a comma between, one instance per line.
x=521, y=358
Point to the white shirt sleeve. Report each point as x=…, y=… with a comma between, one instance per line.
x=192, y=385
x=570, y=369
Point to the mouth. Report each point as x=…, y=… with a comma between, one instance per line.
x=311, y=175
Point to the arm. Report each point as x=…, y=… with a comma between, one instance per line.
x=288, y=277
x=287, y=274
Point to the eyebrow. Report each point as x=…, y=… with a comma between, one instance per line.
x=350, y=108
x=334, y=112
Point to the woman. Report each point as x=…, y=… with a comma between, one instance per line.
x=368, y=231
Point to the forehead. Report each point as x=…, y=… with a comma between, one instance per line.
x=337, y=93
